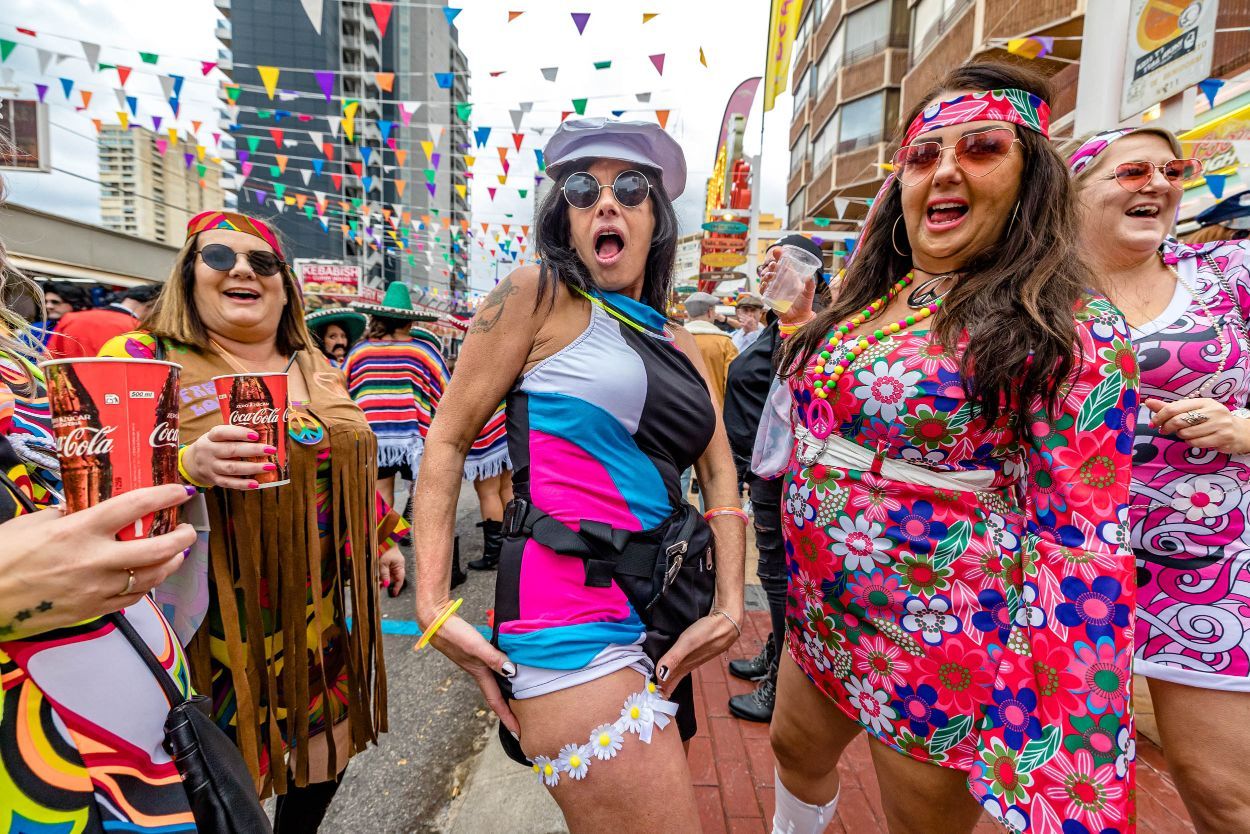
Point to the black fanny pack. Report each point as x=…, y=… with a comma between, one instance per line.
x=668, y=573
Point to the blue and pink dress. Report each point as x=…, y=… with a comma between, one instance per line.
x=600, y=431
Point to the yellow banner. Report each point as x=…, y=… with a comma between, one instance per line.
x=783, y=25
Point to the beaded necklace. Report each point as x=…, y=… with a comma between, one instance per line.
x=826, y=371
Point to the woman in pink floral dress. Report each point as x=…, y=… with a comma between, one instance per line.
x=960, y=586
x=1186, y=308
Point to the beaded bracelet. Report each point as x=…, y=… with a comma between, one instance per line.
x=182, y=470
x=738, y=511
x=438, y=623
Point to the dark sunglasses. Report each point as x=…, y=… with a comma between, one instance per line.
x=1134, y=176
x=977, y=154
x=630, y=189
x=222, y=258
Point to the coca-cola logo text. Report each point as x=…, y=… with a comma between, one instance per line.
x=257, y=417
x=84, y=441
x=163, y=434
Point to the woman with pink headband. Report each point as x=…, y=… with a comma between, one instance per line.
x=960, y=585
x=1186, y=308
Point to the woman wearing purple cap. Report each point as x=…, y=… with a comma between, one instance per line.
x=1186, y=308
x=604, y=597
x=960, y=586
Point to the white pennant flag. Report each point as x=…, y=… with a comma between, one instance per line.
x=317, y=137
x=167, y=86
x=516, y=115
x=121, y=99
x=839, y=205
x=92, y=51
x=312, y=8
x=290, y=143
x=306, y=174
x=549, y=73
x=436, y=134
x=45, y=58
x=334, y=124
x=412, y=106
x=643, y=97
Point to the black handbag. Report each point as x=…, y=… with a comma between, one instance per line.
x=219, y=788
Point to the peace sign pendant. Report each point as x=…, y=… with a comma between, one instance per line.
x=820, y=418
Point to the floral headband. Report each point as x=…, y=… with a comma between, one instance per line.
x=229, y=220
x=1085, y=155
x=1015, y=106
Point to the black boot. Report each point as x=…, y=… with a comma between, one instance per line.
x=492, y=543
x=755, y=668
x=757, y=705
x=458, y=576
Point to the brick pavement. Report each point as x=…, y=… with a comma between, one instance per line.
x=732, y=766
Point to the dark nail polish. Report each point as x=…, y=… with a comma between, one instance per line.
x=271, y=467
x=253, y=436
x=663, y=673
x=508, y=669
x=191, y=490
x=269, y=450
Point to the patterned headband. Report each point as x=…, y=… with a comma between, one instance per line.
x=1015, y=106
x=208, y=220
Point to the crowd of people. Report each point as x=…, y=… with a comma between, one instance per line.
x=995, y=467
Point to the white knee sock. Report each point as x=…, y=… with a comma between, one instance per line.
x=794, y=816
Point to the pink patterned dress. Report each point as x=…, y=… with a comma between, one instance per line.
x=1190, y=506
x=965, y=590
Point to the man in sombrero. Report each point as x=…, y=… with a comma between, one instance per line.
x=336, y=329
x=397, y=381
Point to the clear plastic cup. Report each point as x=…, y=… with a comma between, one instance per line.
x=794, y=268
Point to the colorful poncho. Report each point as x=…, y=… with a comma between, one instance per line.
x=488, y=456
x=398, y=386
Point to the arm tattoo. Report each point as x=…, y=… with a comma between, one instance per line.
x=491, y=311
x=7, y=629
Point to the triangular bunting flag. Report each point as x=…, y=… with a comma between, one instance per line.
x=444, y=79
x=643, y=97
x=491, y=192
x=428, y=147
x=381, y=16
x=123, y=73
x=579, y=106
x=125, y=122
x=464, y=109
x=450, y=14
x=325, y=80
x=313, y=9
x=647, y=17
x=275, y=132
x=657, y=61
x=602, y=65
x=661, y=116
x=67, y=84
x=517, y=138
x=334, y=122
x=269, y=77
x=401, y=156
x=41, y=90
x=462, y=190
x=385, y=80
x=349, y=119
x=149, y=57
x=514, y=15
x=45, y=58
x=702, y=57
x=580, y=19
x=92, y=53
x=385, y=128
x=207, y=66
x=549, y=73
x=469, y=160
x=281, y=160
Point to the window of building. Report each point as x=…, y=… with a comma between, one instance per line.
x=826, y=142
x=862, y=122
x=794, y=210
x=829, y=62
x=929, y=19
x=802, y=89
x=805, y=32
x=799, y=152
x=867, y=31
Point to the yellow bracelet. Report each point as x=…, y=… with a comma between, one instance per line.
x=437, y=624
x=182, y=470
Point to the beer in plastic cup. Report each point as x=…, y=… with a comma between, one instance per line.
x=116, y=427
x=258, y=402
x=794, y=268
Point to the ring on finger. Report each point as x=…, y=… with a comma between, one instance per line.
x=1193, y=418
x=130, y=583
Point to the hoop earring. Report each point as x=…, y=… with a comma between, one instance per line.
x=893, y=232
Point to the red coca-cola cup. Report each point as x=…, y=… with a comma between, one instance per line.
x=116, y=428
x=258, y=402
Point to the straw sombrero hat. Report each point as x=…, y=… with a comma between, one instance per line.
x=396, y=305
x=351, y=321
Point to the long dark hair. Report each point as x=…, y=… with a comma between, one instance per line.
x=561, y=264
x=1017, y=298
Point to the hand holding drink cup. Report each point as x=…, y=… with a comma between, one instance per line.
x=226, y=456
x=787, y=286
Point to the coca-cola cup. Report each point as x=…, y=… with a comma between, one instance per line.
x=258, y=402
x=116, y=427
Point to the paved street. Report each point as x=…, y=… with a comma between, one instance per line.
x=437, y=718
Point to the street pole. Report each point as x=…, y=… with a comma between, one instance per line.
x=1101, y=77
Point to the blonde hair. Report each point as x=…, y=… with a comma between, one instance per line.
x=175, y=317
x=1209, y=233
x=14, y=282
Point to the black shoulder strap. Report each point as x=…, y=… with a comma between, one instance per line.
x=159, y=351
x=158, y=671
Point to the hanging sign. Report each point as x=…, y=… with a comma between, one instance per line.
x=1170, y=47
x=723, y=259
x=725, y=227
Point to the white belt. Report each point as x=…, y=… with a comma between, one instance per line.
x=839, y=452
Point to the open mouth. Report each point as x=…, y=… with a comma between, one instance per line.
x=946, y=212
x=1143, y=211
x=241, y=294
x=609, y=246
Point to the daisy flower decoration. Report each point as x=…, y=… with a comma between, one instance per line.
x=546, y=771
x=605, y=741
x=574, y=759
x=637, y=716
x=661, y=708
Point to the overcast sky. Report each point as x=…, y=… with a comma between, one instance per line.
x=732, y=35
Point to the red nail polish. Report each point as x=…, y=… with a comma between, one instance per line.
x=253, y=485
x=386, y=583
x=270, y=450
x=253, y=436
x=271, y=467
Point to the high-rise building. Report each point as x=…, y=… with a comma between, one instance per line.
x=151, y=187
x=365, y=204
x=859, y=65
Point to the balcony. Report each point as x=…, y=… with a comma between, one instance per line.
x=857, y=164
x=224, y=31
x=950, y=49
x=225, y=60
x=800, y=175
x=223, y=6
